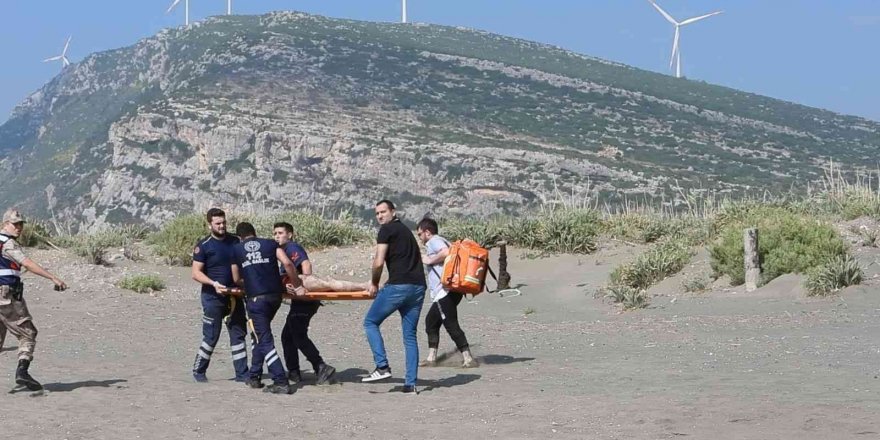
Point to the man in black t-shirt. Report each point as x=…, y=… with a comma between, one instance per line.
x=404, y=292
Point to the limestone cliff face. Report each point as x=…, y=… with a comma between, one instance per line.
x=291, y=110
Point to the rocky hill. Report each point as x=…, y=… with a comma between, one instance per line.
x=293, y=110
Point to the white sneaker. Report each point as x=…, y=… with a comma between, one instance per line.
x=378, y=374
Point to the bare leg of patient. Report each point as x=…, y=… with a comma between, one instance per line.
x=314, y=283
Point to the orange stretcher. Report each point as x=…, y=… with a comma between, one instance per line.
x=318, y=296
x=335, y=296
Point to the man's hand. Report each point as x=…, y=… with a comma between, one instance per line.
x=220, y=288
x=59, y=285
x=373, y=290
x=295, y=291
x=426, y=259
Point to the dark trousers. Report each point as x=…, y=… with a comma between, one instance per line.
x=295, y=335
x=215, y=308
x=261, y=310
x=445, y=312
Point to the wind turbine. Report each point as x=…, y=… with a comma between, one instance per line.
x=403, y=14
x=186, y=10
x=63, y=57
x=676, y=47
x=228, y=7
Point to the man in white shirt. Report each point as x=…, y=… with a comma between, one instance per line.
x=444, y=304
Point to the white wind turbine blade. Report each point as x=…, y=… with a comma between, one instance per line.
x=65, y=61
x=52, y=59
x=665, y=15
x=66, y=45
x=172, y=6
x=674, y=45
x=691, y=20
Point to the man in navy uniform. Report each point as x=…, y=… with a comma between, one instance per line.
x=255, y=267
x=210, y=267
x=295, y=335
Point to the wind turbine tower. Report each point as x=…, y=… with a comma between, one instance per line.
x=228, y=7
x=403, y=12
x=676, y=45
x=63, y=57
x=186, y=10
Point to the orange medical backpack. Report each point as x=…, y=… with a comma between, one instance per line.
x=464, y=270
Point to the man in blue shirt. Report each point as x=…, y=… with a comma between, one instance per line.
x=295, y=335
x=255, y=267
x=210, y=267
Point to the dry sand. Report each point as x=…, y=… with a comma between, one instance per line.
x=556, y=362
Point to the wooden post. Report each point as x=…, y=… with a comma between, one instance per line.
x=503, y=275
x=750, y=259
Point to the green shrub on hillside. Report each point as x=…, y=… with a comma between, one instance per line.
x=34, y=234
x=142, y=283
x=645, y=227
x=662, y=260
x=484, y=232
x=787, y=243
x=566, y=230
x=627, y=296
x=176, y=240
x=310, y=229
x=93, y=246
x=855, y=202
x=836, y=273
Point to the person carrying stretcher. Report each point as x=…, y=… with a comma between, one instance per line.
x=295, y=335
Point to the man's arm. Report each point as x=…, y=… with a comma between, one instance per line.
x=199, y=275
x=236, y=276
x=378, y=264
x=438, y=258
x=290, y=270
x=307, y=267
x=32, y=266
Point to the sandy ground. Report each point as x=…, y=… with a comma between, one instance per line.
x=556, y=362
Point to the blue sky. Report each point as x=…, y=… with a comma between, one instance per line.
x=818, y=53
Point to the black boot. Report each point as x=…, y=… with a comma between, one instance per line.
x=23, y=378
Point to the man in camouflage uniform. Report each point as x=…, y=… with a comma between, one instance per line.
x=14, y=315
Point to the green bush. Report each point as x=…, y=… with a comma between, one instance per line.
x=142, y=283
x=34, y=234
x=854, y=202
x=315, y=232
x=566, y=230
x=836, y=273
x=176, y=240
x=484, y=232
x=660, y=261
x=695, y=284
x=629, y=297
x=93, y=246
x=787, y=243
x=652, y=227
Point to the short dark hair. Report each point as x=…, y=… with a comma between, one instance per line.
x=287, y=226
x=428, y=224
x=387, y=202
x=214, y=212
x=245, y=229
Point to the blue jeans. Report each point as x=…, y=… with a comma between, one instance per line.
x=215, y=308
x=406, y=299
x=261, y=310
